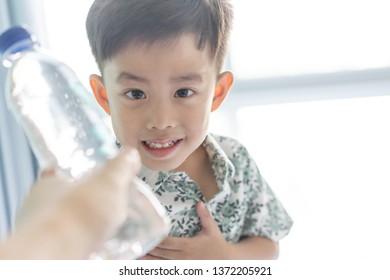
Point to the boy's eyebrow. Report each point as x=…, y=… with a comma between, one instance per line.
x=189, y=77
x=182, y=78
x=129, y=76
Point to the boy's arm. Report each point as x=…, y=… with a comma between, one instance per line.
x=256, y=248
x=210, y=244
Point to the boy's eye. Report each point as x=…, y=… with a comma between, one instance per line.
x=184, y=92
x=135, y=94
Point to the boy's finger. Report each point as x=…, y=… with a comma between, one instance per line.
x=206, y=219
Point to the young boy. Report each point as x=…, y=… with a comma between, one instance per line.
x=160, y=64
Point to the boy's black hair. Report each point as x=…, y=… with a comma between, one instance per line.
x=113, y=24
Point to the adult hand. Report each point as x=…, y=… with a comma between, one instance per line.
x=68, y=220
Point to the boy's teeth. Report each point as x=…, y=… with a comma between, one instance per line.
x=159, y=145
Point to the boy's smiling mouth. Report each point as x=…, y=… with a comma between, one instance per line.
x=160, y=149
x=160, y=145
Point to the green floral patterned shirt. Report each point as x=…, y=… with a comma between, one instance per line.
x=244, y=206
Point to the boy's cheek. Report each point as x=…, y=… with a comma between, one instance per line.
x=125, y=128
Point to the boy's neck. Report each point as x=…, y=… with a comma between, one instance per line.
x=198, y=168
x=194, y=163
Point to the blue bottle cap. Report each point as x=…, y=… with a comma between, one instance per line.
x=14, y=35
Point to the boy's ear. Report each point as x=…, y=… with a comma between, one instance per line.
x=99, y=90
x=224, y=83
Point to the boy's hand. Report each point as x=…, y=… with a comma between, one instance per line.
x=208, y=244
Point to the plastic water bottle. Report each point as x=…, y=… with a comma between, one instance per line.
x=68, y=130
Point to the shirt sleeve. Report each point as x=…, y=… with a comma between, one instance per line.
x=265, y=214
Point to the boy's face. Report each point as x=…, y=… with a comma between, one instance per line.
x=160, y=97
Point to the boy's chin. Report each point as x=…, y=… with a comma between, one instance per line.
x=160, y=166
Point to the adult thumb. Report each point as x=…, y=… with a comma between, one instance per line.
x=121, y=169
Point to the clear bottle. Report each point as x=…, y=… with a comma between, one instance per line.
x=67, y=129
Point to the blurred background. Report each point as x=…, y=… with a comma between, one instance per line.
x=311, y=101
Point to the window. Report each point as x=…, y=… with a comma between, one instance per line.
x=283, y=38
x=67, y=36
x=328, y=161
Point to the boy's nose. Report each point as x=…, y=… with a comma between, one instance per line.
x=161, y=117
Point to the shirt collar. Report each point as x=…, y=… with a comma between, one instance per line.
x=222, y=166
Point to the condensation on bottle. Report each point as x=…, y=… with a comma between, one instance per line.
x=68, y=130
